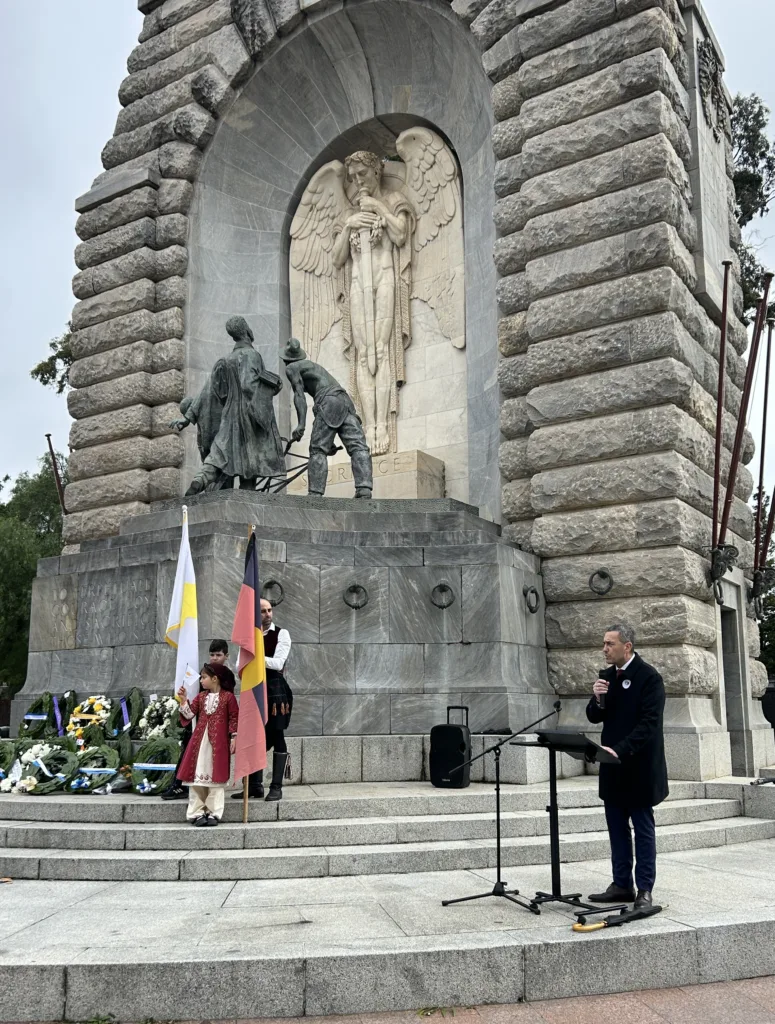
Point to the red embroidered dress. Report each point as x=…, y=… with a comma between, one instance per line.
x=207, y=761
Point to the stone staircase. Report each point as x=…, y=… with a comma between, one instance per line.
x=357, y=829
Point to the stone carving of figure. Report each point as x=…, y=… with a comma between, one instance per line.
x=334, y=413
x=237, y=432
x=362, y=247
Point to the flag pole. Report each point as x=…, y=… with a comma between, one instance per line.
x=246, y=780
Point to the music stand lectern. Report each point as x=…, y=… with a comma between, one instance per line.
x=582, y=748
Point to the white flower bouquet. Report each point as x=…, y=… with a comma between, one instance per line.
x=161, y=719
x=35, y=752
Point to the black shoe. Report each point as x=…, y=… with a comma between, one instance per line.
x=279, y=762
x=643, y=900
x=255, y=787
x=200, y=821
x=613, y=894
x=175, y=793
x=212, y=820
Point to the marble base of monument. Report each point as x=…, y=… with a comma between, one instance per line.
x=396, y=609
x=400, y=475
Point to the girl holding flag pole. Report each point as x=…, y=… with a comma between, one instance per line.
x=206, y=763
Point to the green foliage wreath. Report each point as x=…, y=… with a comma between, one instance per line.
x=90, y=759
x=35, y=728
x=61, y=765
x=115, y=725
x=7, y=756
x=151, y=781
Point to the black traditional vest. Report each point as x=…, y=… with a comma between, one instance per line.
x=279, y=693
x=270, y=642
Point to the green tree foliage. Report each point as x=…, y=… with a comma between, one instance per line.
x=754, y=158
x=54, y=372
x=754, y=178
x=767, y=632
x=30, y=528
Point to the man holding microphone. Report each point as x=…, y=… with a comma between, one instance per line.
x=629, y=699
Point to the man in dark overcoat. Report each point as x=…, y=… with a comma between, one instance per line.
x=629, y=699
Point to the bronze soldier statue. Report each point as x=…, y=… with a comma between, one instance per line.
x=237, y=432
x=334, y=413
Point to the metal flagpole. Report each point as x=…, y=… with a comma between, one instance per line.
x=57, y=478
x=246, y=780
x=744, y=403
x=722, y=363
x=760, y=556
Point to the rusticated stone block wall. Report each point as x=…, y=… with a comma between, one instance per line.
x=608, y=360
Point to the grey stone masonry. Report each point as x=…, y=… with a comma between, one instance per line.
x=445, y=618
x=597, y=254
x=607, y=173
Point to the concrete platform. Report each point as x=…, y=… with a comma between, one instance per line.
x=338, y=945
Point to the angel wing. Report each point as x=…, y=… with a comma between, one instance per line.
x=317, y=286
x=433, y=184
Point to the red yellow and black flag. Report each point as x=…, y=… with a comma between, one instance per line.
x=251, y=738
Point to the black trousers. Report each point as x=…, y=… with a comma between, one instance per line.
x=275, y=738
x=618, y=821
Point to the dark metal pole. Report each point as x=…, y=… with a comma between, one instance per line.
x=744, y=403
x=759, y=559
x=722, y=364
x=768, y=533
x=55, y=466
x=498, y=811
x=554, y=824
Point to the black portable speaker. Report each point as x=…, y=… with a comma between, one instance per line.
x=451, y=747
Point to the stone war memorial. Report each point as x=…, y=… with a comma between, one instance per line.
x=496, y=231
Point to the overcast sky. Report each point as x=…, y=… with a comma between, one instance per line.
x=61, y=62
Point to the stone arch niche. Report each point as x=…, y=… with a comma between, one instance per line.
x=353, y=79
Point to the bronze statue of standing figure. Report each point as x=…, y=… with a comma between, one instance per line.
x=237, y=432
x=334, y=413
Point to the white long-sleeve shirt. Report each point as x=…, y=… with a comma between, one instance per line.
x=282, y=650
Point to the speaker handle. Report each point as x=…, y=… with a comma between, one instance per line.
x=457, y=707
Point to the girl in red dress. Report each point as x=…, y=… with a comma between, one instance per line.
x=206, y=764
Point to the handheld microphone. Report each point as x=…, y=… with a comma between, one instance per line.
x=601, y=698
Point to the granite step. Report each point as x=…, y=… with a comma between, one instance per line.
x=324, y=802
x=332, y=833
x=368, y=859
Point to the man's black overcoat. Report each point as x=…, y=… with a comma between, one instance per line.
x=632, y=726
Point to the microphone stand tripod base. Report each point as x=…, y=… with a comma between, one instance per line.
x=499, y=889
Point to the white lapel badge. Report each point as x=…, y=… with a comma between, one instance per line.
x=626, y=684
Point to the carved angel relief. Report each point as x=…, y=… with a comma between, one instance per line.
x=369, y=236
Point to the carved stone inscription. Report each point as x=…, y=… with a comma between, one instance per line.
x=117, y=607
x=710, y=184
x=52, y=618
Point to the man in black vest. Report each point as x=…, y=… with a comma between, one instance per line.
x=629, y=699
x=277, y=647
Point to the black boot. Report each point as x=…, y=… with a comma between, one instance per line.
x=255, y=787
x=278, y=771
